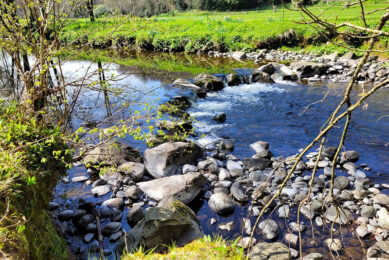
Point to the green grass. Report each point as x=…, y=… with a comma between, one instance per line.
x=192, y=31
x=204, y=248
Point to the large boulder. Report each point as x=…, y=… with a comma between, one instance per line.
x=182, y=187
x=112, y=153
x=174, y=222
x=209, y=82
x=132, y=169
x=186, y=84
x=165, y=159
x=261, y=77
x=270, y=251
x=309, y=69
x=379, y=251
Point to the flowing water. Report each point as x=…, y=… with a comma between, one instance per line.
x=287, y=115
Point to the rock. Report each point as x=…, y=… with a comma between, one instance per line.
x=341, y=182
x=238, y=192
x=186, y=84
x=269, y=251
x=361, y=231
x=109, y=175
x=269, y=229
x=101, y=190
x=114, y=237
x=88, y=237
x=367, y=211
x=258, y=164
x=313, y=256
x=85, y=220
x=53, y=205
x=99, y=182
x=115, y=203
x=233, y=79
x=234, y=169
x=112, y=153
x=66, y=215
x=383, y=218
x=116, y=215
x=287, y=73
x=333, y=244
x=175, y=127
x=284, y=211
x=187, y=168
x=209, y=82
x=350, y=156
x=245, y=241
x=111, y=228
x=165, y=159
x=180, y=102
x=347, y=57
x=161, y=226
x=291, y=239
x=221, y=118
x=133, y=192
x=329, y=151
x=309, y=69
x=297, y=227
x=260, y=146
x=134, y=215
x=381, y=199
x=330, y=57
x=261, y=77
x=379, y=251
x=224, y=175
x=268, y=68
x=182, y=187
x=238, y=55
x=80, y=179
x=221, y=203
x=132, y=169
x=342, y=217
x=227, y=226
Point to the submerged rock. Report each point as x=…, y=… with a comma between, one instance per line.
x=166, y=159
x=161, y=226
x=269, y=228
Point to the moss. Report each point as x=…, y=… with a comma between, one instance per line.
x=204, y=248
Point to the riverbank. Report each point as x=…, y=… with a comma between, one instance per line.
x=28, y=173
x=233, y=31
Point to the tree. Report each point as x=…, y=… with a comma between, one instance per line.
x=90, y=8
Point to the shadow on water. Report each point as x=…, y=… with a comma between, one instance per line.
x=287, y=115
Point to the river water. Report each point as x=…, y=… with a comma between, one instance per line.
x=287, y=115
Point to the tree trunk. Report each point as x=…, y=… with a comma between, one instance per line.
x=89, y=5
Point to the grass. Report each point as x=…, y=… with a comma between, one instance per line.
x=204, y=248
x=225, y=31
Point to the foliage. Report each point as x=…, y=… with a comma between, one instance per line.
x=204, y=248
x=31, y=156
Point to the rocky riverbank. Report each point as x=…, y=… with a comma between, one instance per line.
x=150, y=186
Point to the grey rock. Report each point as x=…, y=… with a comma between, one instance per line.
x=113, y=203
x=350, y=156
x=161, y=226
x=341, y=182
x=165, y=159
x=234, y=168
x=284, y=211
x=297, y=227
x=269, y=228
x=269, y=251
x=368, y=211
x=89, y=237
x=135, y=215
x=101, y=190
x=233, y=79
x=379, y=250
x=182, y=187
x=313, y=256
x=111, y=228
x=209, y=82
x=221, y=203
x=80, y=179
x=85, y=220
x=187, y=168
x=361, y=231
x=224, y=174
x=114, y=237
x=132, y=169
x=227, y=226
x=112, y=153
x=260, y=146
x=342, y=217
x=133, y=192
x=381, y=199
x=268, y=68
x=257, y=163
x=66, y=215
x=238, y=192
x=291, y=239
x=333, y=244
x=99, y=182
x=262, y=77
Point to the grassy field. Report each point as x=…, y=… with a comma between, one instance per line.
x=226, y=31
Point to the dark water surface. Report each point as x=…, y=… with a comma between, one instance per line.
x=287, y=115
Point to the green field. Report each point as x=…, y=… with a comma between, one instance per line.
x=225, y=31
